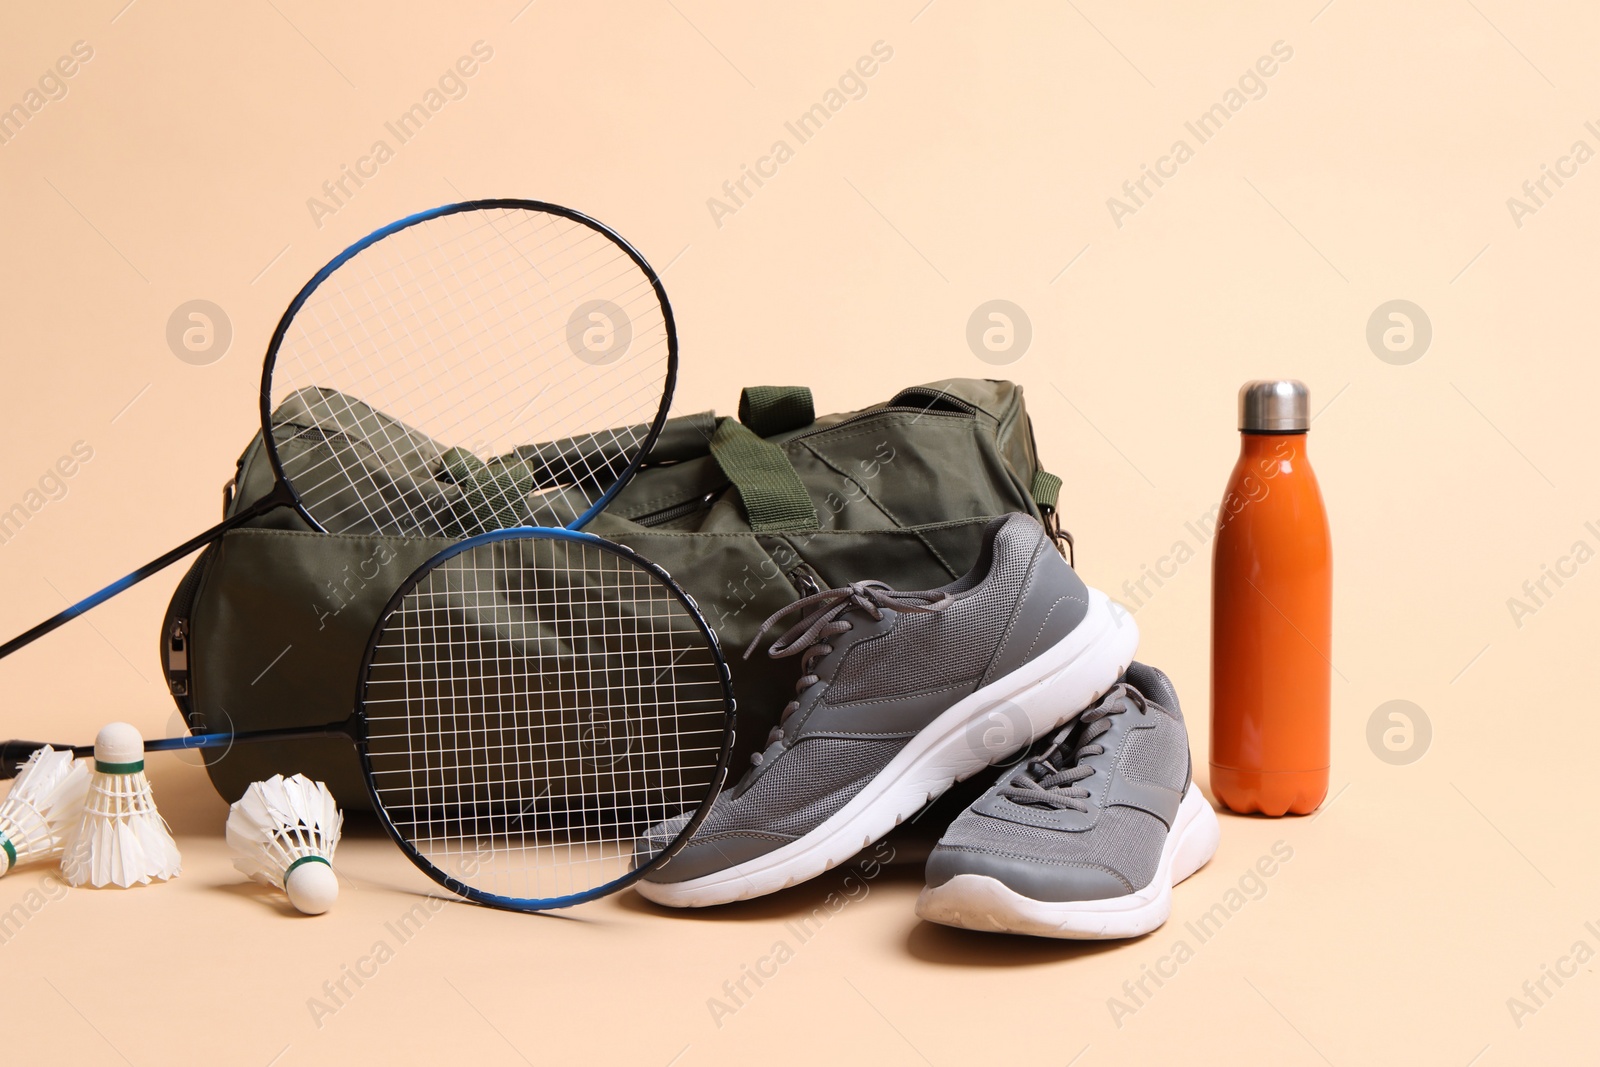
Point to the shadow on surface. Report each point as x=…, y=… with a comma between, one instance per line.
x=845, y=882
x=364, y=876
x=933, y=943
x=273, y=900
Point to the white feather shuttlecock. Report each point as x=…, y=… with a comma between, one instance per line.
x=43, y=807
x=121, y=838
x=283, y=832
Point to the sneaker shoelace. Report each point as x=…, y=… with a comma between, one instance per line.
x=1051, y=779
x=823, y=619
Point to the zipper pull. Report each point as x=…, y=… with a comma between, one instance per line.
x=1061, y=536
x=178, y=658
x=806, y=579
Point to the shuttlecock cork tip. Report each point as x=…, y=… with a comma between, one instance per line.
x=312, y=886
x=119, y=749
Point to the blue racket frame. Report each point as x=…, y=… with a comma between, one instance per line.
x=282, y=493
x=669, y=384
x=719, y=775
x=354, y=728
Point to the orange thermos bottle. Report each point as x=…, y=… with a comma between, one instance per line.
x=1271, y=614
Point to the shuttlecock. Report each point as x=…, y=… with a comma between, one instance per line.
x=283, y=832
x=120, y=838
x=44, y=804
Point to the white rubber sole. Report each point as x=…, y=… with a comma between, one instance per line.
x=982, y=729
x=978, y=902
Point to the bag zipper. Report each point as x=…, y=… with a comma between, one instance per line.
x=898, y=409
x=806, y=579
x=676, y=511
x=934, y=395
x=178, y=657
x=175, y=636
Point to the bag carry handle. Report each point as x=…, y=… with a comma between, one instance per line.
x=774, y=497
x=773, y=409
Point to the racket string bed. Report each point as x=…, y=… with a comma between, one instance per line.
x=532, y=699
x=459, y=332
x=533, y=706
x=377, y=336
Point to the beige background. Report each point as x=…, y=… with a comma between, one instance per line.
x=978, y=164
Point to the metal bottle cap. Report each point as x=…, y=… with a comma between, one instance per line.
x=1282, y=406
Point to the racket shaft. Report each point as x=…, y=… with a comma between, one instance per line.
x=276, y=499
x=224, y=740
x=13, y=753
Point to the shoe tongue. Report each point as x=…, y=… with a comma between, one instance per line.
x=1059, y=755
x=1062, y=755
x=1063, y=751
x=756, y=770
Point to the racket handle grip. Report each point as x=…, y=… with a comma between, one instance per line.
x=15, y=753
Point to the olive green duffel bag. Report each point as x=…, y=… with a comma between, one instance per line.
x=268, y=627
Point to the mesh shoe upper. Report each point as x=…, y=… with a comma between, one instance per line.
x=945, y=650
x=1088, y=817
x=877, y=666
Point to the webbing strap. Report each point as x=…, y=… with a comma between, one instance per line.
x=774, y=497
x=775, y=409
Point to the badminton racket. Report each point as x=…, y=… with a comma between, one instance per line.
x=531, y=703
x=445, y=374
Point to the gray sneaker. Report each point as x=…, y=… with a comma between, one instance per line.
x=1088, y=839
x=900, y=695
